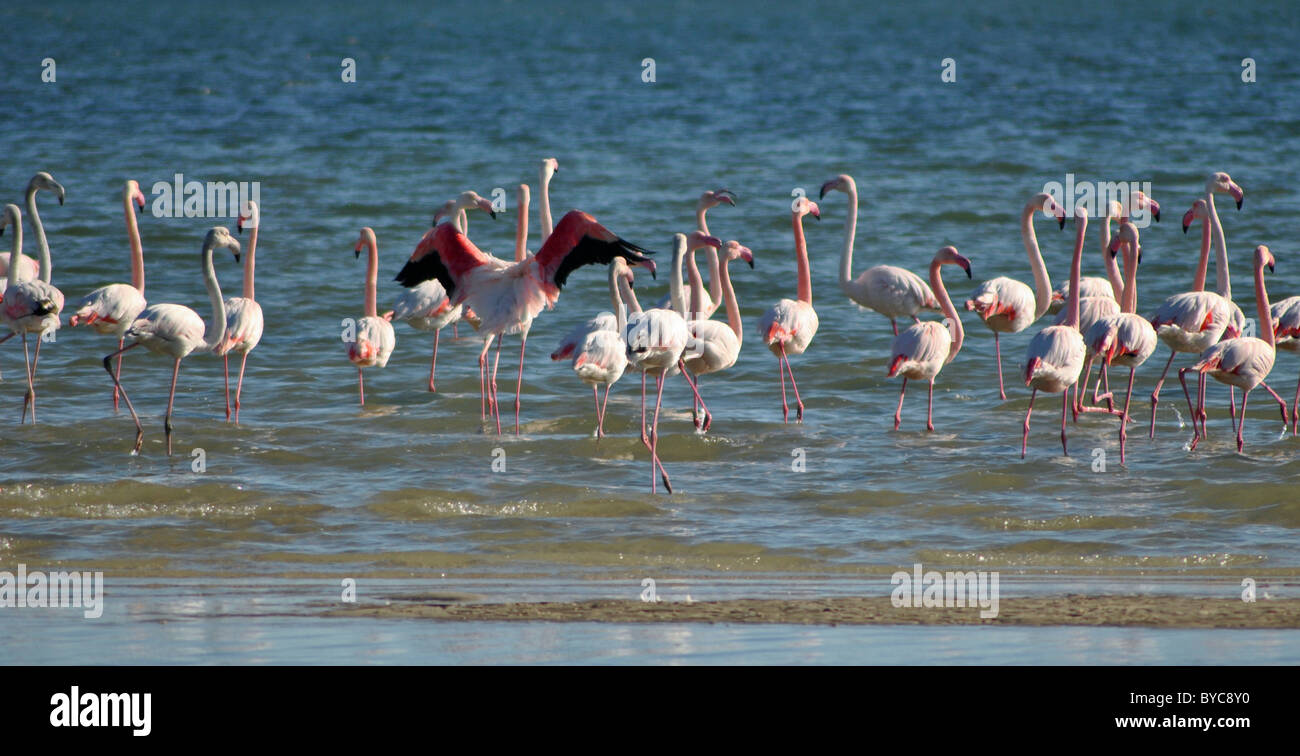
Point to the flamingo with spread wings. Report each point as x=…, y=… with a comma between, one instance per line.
x=508, y=296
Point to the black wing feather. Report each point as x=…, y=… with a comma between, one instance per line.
x=416, y=272
x=591, y=251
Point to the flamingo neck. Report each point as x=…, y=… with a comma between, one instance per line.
x=1042, y=283
x=620, y=310
x=521, y=223
x=952, y=319
x=629, y=297
x=249, y=263
x=1076, y=266
x=133, y=237
x=696, y=311
x=1198, y=283
x=715, y=284
x=42, y=246
x=1128, y=303
x=676, y=297
x=801, y=260
x=462, y=221
x=1262, y=307
x=545, y=208
x=1112, y=268
x=850, y=233
x=372, y=276
x=214, y=296
x=1223, y=282
x=733, y=307
x=16, y=255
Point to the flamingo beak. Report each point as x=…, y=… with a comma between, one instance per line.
x=1236, y=193
x=965, y=265
x=829, y=185
x=486, y=206
x=649, y=265
x=1188, y=217
x=712, y=241
x=1060, y=219
x=1155, y=210
x=748, y=256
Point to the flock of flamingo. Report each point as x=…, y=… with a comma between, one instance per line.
x=449, y=279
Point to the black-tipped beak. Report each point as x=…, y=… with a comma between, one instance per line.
x=967, y=267
x=1156, y=214
x=1062, y=222
x=356, y=253
x=1185, y=227
x=60, y=201
x=1238, y=204
x=1270, y=267
x=2, y=230
x=493, y=213
x=751, y=263
x=237, y=257
x=822, y=194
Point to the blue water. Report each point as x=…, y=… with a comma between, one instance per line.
x=759, y=100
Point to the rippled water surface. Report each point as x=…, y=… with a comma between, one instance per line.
x=761, y=101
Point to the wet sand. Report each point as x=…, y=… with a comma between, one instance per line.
x=1117, y=611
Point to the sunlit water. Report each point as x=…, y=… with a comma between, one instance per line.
x=762, y=102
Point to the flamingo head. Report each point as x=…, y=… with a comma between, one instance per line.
x=219, y=237
x=1050, y=207
x=368, y=237
x=1114, y=210
x=45, y=181
x=1198, y=210
x=1138, y=200
x=249, y=216
x=1128, y=234
x=550, y=167
x=1222, y=182
x=719, y=197
x=804, y=206
x=841, y=183
x=1263, y=257
x=11, y=214
x=620, y=269
x=734, y=250
x=131, y=193
x=949, y=256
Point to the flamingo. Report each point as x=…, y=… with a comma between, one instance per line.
x=921, y=351
x=1056, y=353
x=33, y=306
x=657, y=342
x=1243, y=362
x=1113, y=284
x=30, y=268
x=1194, y=320
x=887, y=289
x=176, y=330
x=113, y=308
x=600, y=355
x=719, y=343
x=374, y=339
x=1007, y=305
x=710, y=300
x=1285, y=315
x=789, y=325
x=1125, y=339
x=243, y=314
x=508, y=297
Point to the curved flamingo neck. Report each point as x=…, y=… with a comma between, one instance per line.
x=1198, y=283
x=462, y=221
x=697, y=288
x=214, y=296
x=620, y=310
x=372, y=274
x=1042, y=283
x=133, y=237
x=628, y=296
x=42, y=246
x=1262, y=308
x=249, y=263
x=676, y=297
x=850, y=234
x=953, y=320
x=801, y=260
x=733, y=307
x=1129, y=301
x=521, y=223
x=1112, y=268
x=1076, y=266
x=715, y=284
x=16, y=255
x=1223, y=282
x=545, y=184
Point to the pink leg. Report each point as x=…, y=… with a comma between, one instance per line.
x=122, y=340
x=645, y=438
x=1155, y=394
x=1295, y=409
x=492, y=388
x=595, y=394
x=1123, y=420
x=1065, y=409
x=1196, y=431
x=225, y=371
x=171, y=399
x=708, y=417
x=929, y=408
x=654, y=441
x=785, y=408
x=798, y=412
x=894, y=323
x=604, y=407
x=519, y=381
x=361, y=387
x=997, y=348
x=117, y=385
x=898, y=411
x=30, y=396
x=433, y=366
x=1280, y=403
x=239, y=387
x=1024, y=438
x=1241, y=426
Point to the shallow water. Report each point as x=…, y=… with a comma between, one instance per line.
x=761, y=102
